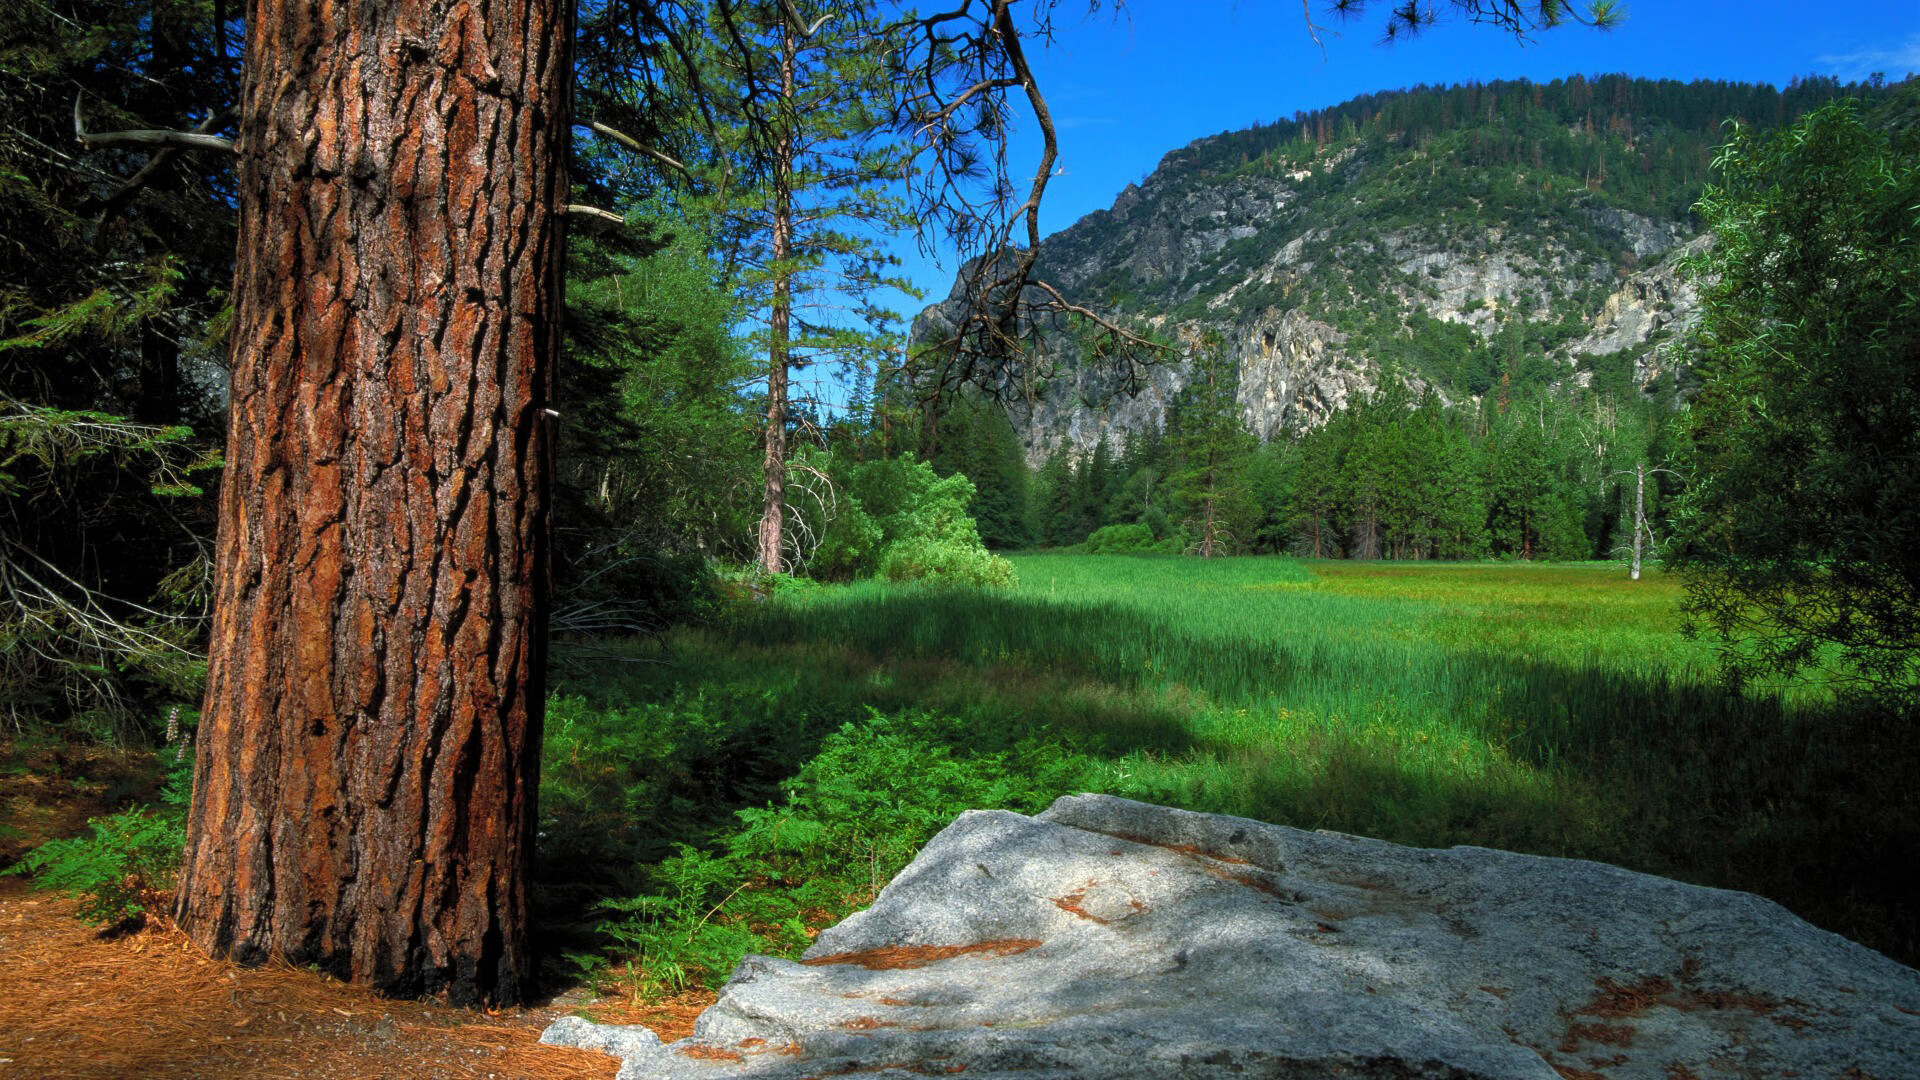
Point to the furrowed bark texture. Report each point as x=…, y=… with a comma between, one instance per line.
x=369, y=749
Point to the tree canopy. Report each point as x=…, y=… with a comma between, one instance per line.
x=1803, y=523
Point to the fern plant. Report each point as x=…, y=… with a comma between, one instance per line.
x=121, y=871
x=125, y=867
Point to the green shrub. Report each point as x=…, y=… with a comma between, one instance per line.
x=1131, y=539
x=127, y=865
x=919, y=558
x=897, y=519
x=874, y=793
x=119, y=872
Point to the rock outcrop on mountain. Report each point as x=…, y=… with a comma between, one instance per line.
x=1113, y=939
x=1312, y=250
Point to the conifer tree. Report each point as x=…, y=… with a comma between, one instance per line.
x=811, y=120
x=369, y=747
x=116, y=258
x=1209, y=443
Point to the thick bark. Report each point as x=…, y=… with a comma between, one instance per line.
x=369, y=749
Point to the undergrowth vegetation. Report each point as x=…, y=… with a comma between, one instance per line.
x=737, y=788
x=123, y=867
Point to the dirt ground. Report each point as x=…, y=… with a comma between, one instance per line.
x=76, y=1003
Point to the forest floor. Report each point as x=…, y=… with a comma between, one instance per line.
x=77, y=1003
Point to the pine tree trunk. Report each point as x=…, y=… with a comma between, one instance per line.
x=369, y=749
x=773, y=506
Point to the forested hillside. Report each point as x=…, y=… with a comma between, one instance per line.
x=1449, y=315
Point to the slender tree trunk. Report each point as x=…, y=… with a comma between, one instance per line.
x=774, y=466
x=1639, y=516
x=369, y=749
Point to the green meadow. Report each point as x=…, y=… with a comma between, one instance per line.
x=743, y=784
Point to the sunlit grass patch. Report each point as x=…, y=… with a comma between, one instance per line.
x=1550, y=709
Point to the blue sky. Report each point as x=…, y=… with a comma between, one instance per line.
x=1127, y=89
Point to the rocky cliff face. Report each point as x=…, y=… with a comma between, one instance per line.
x=1306, y=266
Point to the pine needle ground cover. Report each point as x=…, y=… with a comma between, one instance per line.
x=756, y=781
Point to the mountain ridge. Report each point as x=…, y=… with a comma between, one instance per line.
x=1466, y=237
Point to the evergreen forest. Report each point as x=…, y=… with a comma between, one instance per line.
x=1524, y=465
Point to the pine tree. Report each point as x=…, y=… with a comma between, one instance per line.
x=116, y=258
x=369, y=746
x=809, y=86
x=1209, y=444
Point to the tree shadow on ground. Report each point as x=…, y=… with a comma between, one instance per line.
x=665, y=742
x=1811, y=806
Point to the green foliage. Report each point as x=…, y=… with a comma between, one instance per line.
x=977, y=439
x=123, y=869
x=125, y=866
x=1391, y=476
x=111, y=297
x=1544, y=708
x=1129, y=539
x=895, y=517
x=656, y=449
x=944, y=562
x=1208, y=445
x=1552, y=709
x=1529, y=512
x=76, y=652
x=1803, y=529
x=856, y=812
x=44, y=440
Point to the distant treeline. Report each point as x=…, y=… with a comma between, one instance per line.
x=1655, y=158
x=1540, y=476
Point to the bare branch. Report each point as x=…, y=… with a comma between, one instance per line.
x=161, y=137
x=799, y=25
x=111, y=206
x=593, y=215
x=638, y=147
x=1313, y=30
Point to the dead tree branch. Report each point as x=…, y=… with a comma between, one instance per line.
x=197, y=139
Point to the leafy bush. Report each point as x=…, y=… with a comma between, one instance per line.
x=1802, y=533
x=858, y=811
x=1130, y=539
x=920, y=558
x=897, y=519
x=125, y=867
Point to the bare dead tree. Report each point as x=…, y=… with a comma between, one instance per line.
x=808, y=518
x=1643, y=537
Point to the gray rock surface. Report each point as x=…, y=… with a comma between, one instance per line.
x=1662, y=298
x=1287, y=272
x=1108, y=938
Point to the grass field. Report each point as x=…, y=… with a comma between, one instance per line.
x=1549, y=709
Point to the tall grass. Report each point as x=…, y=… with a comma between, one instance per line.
x=1551, y=709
